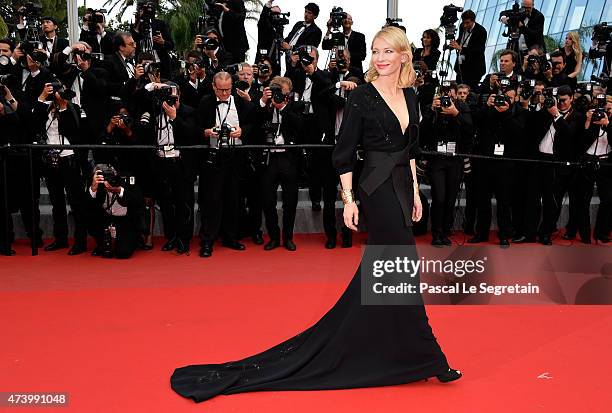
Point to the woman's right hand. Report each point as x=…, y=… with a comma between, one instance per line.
x=351, y=216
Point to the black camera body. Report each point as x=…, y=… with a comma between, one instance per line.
x=304, y=54
x=602, y=36
x=270, y=130
x=600, y=111
x=147, y=9
x=277, y=94
x=111, y=175
x=164, y=94
x=515, y=16
x=224, y=132
x=210, y=43
x=527, y=88
x=550, y=97
x=445, y=99
x=448, y=20
x=279, y=20
x=31, y=10
x=341, y=63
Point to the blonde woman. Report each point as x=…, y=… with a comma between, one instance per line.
x=355, y=345
x=573, y=54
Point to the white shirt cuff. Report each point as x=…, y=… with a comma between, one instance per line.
x=121, y=192
x=261, y=103
x=149, y=87
x=92, y=192
x=67, y=50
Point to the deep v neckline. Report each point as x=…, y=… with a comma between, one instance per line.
x=403, y=130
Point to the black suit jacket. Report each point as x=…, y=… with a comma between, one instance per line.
x=507, y=128
x=292, y=121
x=132, y=199
x=311, y=36
x=534, y=30
x=356, y=46
x=68, y=121
x=568, y=133
x=234, y=34
x=474, y=60
x=105, y=46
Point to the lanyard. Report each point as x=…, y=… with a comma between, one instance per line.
x=229, y=107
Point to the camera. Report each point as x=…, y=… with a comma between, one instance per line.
x=166, y=94
x=341, y=63
x=111, y=176
x=147, y=10
x=393, y=22
x=34, y=50
x=224, y=132
x=82, y=54
x=600, y=110
x=31, y=10
x=543, y=62
x=277, y=94
x=126, y=119
x=7, y=80
x=279, y=20
x=527, y=88
x=445, y=98
x=602, y=36
x=550, y=97
x=448, y=20
x=304, y=54
x=337, y=17
x=95, y=17
x=270, y=131
x=513, y=16
x=210, y=43
x=151, y=68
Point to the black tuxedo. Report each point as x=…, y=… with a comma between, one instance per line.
x=534, y=30
x=473, y=66
x=234, y=34
x=356, y=46
x=104, y=46
x=311, y=36
x=119, y=82
x=218, y=191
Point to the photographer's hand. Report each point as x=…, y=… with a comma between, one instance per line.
x=435, y=104
x=554, y=111
x=112, y=189
x=453, y=44
x=603, y=122
x=347, y=85
x=237, y=133
x=285, y=46
x=158, y=39
x=97, y=180
x=210, y=133
x=244, y=95
x=223, y=7
x=61, y=102
x=267, y=95
x=451, y=110
x=170, y=110
x=47, y=90
x=112, y=124
x=294, y=59
x=589, y=118
x=83, y=65
x=138, y=71
x=491, y=100
x=310, y=69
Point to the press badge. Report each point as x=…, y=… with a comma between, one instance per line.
x=441, y=147
x=169, y=151
x=499, y=149
x=451, y=147
x=83, y=114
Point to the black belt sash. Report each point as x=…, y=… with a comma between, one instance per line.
x=396, y=165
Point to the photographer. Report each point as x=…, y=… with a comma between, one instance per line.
x=306, y=32
x=554, y=136
x=502, y=134
x=123, y=74
x=530, y=26
x=51, y=42
x=351, y=40
x=214, y=55
x=172, y=123
x=597, y=170
x=152, y=35
x=7, y=61
x=428, y=52
x=314, y=89
x=470, y=47
x=225, y=121
x=282, y=120
x=94, y=32
x=194, y=83
x=57, y=122
x=446, y=128
x=9, y=124
x=117, y=211
x=556, y=75
x=340, y=67
x=508, y=59
x=263, y=73
x=535, y=63
x=231, y=28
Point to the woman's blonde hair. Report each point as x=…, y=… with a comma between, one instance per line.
x=399, y=42
x=576, y=46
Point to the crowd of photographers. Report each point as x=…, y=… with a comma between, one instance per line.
x=117, y=90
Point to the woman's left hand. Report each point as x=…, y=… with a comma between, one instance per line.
x=417, y=208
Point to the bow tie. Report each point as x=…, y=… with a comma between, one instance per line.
x=50, y=40
x=222, y=102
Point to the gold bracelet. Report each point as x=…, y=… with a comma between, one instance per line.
x=347, y=196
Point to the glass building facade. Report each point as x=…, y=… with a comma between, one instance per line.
x=561, y=17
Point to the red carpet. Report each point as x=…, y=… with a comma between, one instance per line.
x=111, y=332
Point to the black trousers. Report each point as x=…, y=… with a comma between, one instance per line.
x=445, y=174
x=314, y=161
x=282, y=169
x=176, y=198
x=20, y=193
x=251, y=210
x=67, y=177
x=127, y=233
x=471, y=201
x=545, y=189
x=330, y=181
x=494, y=178
x=218, y=200
x=587, y=178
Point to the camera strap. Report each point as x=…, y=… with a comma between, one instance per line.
x=110, y=201
x=229, y=107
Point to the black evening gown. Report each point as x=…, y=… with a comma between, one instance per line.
x=352, y=345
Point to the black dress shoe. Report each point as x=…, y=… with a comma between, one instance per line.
x=316, y=206
x=545, y=240
x=182, y=248
x=273, y=243
x=477, y=239
x=77, y=249
x=289, y=245
x=9, y=252
x=56, y=245
x=602, y=239
x=522, y=239
x=258, y=239
x=206, y=250
x=330, y=243
x=97, y=251
x=450, y=375
x=170, y=245
x=233, y=244
x=437, y=242
x=504, y=243
x=347, y=241
x=144, y=246
x=569, y=236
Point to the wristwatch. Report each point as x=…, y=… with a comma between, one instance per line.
x=11, y=101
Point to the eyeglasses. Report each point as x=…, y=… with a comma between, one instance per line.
x=563, y=100
x=224, y=90
x=133, y=44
